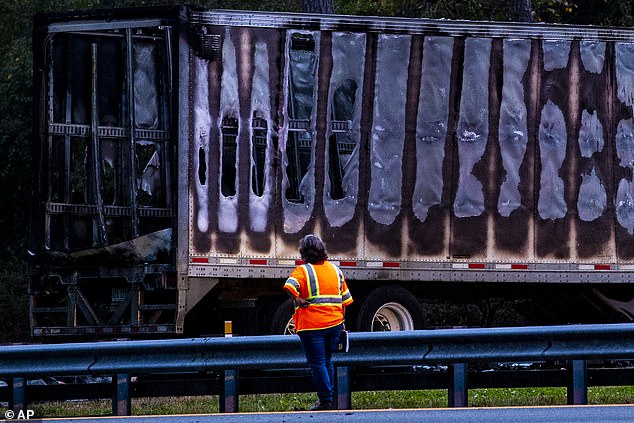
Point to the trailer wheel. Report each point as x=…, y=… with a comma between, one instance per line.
x=390, y=308
x=282, y=319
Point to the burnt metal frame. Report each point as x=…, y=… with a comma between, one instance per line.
x=93, y=132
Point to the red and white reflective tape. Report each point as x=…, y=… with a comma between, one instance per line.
x=512, y=266
x=395, y=264
x=471, y=266
x=389, y=264
x=595, y=267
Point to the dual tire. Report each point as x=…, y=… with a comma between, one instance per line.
x=390, y=308
x=387, y=308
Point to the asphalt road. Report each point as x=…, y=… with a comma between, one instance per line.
x=563, y=414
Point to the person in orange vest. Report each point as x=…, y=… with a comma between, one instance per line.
x=320, y=294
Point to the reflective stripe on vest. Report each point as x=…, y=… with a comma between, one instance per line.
x=292, y=282
x=313, y=286
x=314, y=296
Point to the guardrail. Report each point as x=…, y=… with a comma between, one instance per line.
x=456, y=348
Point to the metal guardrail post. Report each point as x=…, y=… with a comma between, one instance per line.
x=17, y=394
x=229, y=392
x=458, y=394
x=121, y=402
x=578, y=385
x=343, y=398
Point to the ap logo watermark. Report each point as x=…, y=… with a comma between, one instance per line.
x=19, y=415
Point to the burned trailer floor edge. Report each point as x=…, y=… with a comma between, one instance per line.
x=125, y=288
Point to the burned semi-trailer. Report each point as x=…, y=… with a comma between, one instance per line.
x=181, y=154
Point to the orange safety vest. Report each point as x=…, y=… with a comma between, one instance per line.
x=326, y=291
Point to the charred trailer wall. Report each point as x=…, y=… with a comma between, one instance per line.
x=410, y=144
x=486, y=157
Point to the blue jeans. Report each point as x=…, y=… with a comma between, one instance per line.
x=318, y=346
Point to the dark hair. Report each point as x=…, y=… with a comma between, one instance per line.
x=312, y=249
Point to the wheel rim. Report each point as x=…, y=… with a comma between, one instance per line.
x=392, y=317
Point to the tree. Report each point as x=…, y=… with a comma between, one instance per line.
x=521, y=11
x=318, y=6
x=601, y=12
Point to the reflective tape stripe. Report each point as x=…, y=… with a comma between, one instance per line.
x=293, y=282
x=382, y=264
x=468, y=265
x=340, y=277
x=224, y=260
x=517, y=266
x=511, y=266
x=594, y=267
x=313, y=286
x=325, y=299
x=200, y=260
x=314, y=298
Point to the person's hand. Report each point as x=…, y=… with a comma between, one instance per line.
x=301, y=303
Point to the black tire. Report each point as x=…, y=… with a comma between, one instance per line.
x=266, y=308
x=390, y=308
x=281, y=322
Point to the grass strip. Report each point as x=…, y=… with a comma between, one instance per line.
x=489, y=397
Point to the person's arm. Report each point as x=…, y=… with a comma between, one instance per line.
x=292, y=289
x=299, y=301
